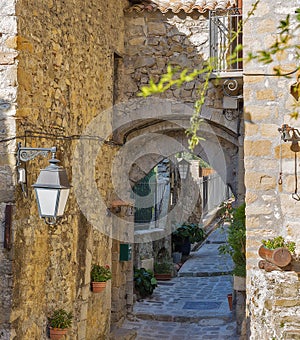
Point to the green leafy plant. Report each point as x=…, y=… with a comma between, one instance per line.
x=226, y=211
x=236, y=240
x=100, y=273
x=163, y=267
x=191, y=230
x=60, y=319
x=279, y=242
x=144, y=282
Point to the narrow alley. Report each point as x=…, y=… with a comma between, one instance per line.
x=194, y=304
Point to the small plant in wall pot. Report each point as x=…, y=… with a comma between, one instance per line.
x=277, y=254
x=279, y=242
x=99, y=276
x=59, y=322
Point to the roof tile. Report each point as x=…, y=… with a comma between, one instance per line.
x=182, y=5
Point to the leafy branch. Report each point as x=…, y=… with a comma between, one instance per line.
x=284, y=42
x=173, y=77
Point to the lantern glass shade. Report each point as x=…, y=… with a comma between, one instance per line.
x=52, y=190
x=183, y=167
x=51, y=202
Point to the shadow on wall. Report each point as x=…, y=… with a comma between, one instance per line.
x=7, y=150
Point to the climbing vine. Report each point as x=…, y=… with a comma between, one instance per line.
x=174, y=77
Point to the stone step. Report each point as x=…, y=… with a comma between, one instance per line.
x=204, y=274
x=123, y=334
x=212, y=319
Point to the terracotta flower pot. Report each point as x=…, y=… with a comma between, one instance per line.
x=163, y=277
x=281, y=257
x=57, y=333
x=229, y=297
x=98, y=287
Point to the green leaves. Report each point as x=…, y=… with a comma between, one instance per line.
x=171, y=78
x=144, y=282
x=191, y=230
x=100, y=273
x=279, y=242
x=236, y=241
x=60, y=319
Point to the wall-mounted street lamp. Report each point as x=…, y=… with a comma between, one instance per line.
x=52, y=186
x=183, y=167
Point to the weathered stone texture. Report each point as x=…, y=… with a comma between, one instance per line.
x=8, y=82
x=156, y=40
x=273, y=298
x=63, y=79
x=276, y=306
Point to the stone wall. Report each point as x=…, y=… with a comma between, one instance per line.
x=273, y=298
x=8, y=91
x=63, y=78
x=155, y=40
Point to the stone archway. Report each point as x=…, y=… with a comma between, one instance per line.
x=155, y=129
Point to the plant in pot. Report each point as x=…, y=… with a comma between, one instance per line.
x=59, y=322
x=277, y=253
x=184, y=235
x=144, y=282
x=99, y=276
x=163, y=270
x=236, y=245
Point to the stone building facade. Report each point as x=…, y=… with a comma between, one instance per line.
x=57, y=74
x=63, y=64
x=272, y=297
x=155, y=38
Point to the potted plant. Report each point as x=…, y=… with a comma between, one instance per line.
x=59, y=322
x=277, y=252
x=236, y=245
x=163, y=270
x=144, y=282
x=184, y=235
x=99, y=276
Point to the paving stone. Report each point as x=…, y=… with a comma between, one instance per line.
x=191, y=307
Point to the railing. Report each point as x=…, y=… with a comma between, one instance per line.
x=213, y=192
x=225, y=35
x=151, y=202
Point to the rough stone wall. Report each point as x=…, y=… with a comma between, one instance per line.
x=122, y=282
x=155, y=40
x=273, y=298
x=8, y=91
x=63, y=78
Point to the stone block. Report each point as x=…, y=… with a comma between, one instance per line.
x=258, y=113
x=266, y=94
x=256, y=209
x=257, y=148
x=137, y=41
x=267, y=26
x=251, y=129
x=8, y=58
x=269, y=130
x=251, y=197
x=147, y=263
x=156, y=28
x=287, y=303
x=140, y=21
x=8, y=24
x=284, y=151
x=144, y=62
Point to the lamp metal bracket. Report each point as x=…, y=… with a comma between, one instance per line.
x=25, y=154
